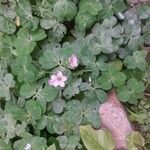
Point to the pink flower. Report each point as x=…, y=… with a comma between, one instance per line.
x=114, y=118
x=57, y=80
x=73, y=61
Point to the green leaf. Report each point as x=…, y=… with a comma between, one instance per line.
x=17, y=112
x=110, y=7
x=108, y=31
x=58, y=106
x=48, y=60
x=6, y=26
x=132, y=91
x=110, y=77
x=64, y=10
x=96, y=139
x=7, y=16
x=4, y=145
x=144, y=11
x=25, y=41
x=33, y=109
x=6, y=83
x=63, y=141
x=24, y=69
x=85, y=20
x=72, y=89
x=137, y=60
x=41, y=124
x=146, y=33
x=35, y=142
x=28, y=90
x=93, y=7
x=52, y=147
x=135, y=141
x=48, y=94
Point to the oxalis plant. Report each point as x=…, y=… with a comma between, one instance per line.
x=58, y=61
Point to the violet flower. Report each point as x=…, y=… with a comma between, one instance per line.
x=73, y=61
x=57, y=79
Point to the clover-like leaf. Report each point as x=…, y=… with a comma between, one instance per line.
x=137, y=60
x=144, y=11
x=34, y=110
x=35, y=142
x=146, y=33
x=51, y=147
x=132, y=28
x=6, y=83
x=64, y=10
x=58, y=106
x=85, y=20
x=108, y=31
x=17, y=112
x=4, y=145
x=132, y=92
x=96, y=139
x=110, y=7
x=72, y=89
x=28, y=90
x=25, y=41
x=24, y=69
x=9, y=127
x=111, y=77
x=48, y=60
x=93, y=7
x=7, y=24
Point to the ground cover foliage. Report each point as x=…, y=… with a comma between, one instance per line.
x=95, y=46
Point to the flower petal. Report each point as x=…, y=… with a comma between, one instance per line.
x=59, y=74
x=62, y=84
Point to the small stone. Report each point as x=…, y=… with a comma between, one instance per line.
x=114, y=118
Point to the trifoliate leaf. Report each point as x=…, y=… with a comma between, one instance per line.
x=25, y=15
x=24, y=69
x=93, y=7
x=72, y=89
x=110, y=7
x=7, y=24
x=48, y=60
x=6, y=83
x=63, y=141
x=52, y=147
x=58, y=106
x=110, y=77
x=28, y=90
x=59, y=31
x=9, y=127
x=108, y=31
x=4, y=145
x=136, y=61
x=73, y=142
x=144, y=11
x=64, y=10
x=96, y=139
x=33, y=109
x=25, y=41
x=48, y=93
x=132, y=92
x=35, y=142
x=41, y=124
x=132, y=34
x=17, y=112
x=135, y=141
x=146, y=33
x=85, y=20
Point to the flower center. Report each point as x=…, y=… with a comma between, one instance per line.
x=59, y=78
